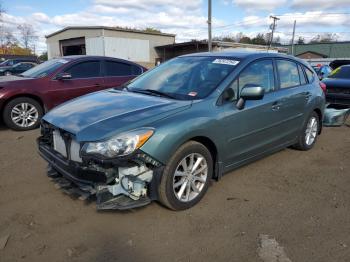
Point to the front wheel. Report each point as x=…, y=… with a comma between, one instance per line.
x=309, y=133
x=22, y=114
x=186, y=177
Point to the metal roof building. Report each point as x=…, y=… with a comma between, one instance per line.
x=133, y=45
x=322, y=50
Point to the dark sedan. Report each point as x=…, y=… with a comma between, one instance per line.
x=25, y=98
x=16, y=69
x=338, y=86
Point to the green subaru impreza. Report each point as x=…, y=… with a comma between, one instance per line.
x=167, y=133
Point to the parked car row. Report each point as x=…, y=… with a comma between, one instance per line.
x=25, y=98
x=167, y=133
x=16, y=69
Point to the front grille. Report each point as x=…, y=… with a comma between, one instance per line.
x=58, y=143
x=61, y=141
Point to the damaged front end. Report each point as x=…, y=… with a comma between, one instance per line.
x=121, y=183
x=336, y=115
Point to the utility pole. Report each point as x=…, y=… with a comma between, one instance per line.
x=209, y=26
x=295, y=21
x=273, y=27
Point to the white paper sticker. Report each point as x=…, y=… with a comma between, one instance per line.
x=226, y=62
x=62, y=61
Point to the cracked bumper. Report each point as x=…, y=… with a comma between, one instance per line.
x=78, y=180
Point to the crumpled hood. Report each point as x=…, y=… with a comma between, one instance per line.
x=106, y=113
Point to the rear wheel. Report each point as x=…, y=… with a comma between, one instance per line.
x=22, y=114
x=309, y=133
x=186, y=177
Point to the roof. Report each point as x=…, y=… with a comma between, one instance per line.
x=312, y=53
x=242, y=54
x=332, y=50
x=107, y=28
x=246, y=55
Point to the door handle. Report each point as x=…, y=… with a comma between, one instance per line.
x=97, y=85
x=276, y=106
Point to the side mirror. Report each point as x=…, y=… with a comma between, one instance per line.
x=63, y=76
x=250, y=92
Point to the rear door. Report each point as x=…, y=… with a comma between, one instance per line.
x=118, y=73
x=86, y=78
x=292, y=97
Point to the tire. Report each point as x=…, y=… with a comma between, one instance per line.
x=27, y=111
x=7, y=73
x=304, y=144
x=169, y=192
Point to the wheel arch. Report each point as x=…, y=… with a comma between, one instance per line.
x=35, y=97
x=320, y=118
x=212, y=147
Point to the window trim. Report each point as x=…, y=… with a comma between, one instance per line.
x=276, y=87
x=279, y=82
x=313, y=73
x=104, y=62
x=77, y=63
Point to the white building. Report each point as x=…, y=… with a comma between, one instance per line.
x=133, y=45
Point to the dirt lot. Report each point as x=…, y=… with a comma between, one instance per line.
x=301, y=199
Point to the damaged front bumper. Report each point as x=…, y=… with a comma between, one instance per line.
x=336, y=115
x=118, y=185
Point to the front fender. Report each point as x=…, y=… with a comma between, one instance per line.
x=172, y=133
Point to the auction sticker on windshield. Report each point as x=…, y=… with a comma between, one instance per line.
x=226, y=62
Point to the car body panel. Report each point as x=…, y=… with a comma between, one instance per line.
x=117, y=113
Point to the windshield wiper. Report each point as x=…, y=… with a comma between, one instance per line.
x=152, y=92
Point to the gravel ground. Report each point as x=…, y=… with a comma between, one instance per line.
x=297, y=202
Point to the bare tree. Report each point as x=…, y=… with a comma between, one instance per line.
x=27, y=35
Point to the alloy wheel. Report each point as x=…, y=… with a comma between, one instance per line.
x=24, y=115
x=311, y=131
x=190, y=177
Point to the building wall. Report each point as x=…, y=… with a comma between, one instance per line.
x=136, y=47
x=309, y=55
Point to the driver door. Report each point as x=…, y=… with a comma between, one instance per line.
x=85, y=78
x=254, y=129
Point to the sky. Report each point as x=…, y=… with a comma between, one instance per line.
x=185, y=18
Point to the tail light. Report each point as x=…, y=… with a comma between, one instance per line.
x=323, y=87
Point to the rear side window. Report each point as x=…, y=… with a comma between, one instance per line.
x=258, y=73
x=303, y=80
x=121, y=69
x=310, y=75
x=288, y=73
x=85, y=70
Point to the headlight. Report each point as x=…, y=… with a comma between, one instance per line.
x=121, y=145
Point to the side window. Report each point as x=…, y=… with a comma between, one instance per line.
x=258, y=73
x=121, y=69
x=85, y=70
x=302, y=76
x=288, y=73
x=310, y=75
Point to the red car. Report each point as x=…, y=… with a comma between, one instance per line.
x=25, y=98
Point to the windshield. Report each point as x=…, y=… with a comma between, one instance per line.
x=340, y=72
x=44, y=69
x=185, y=78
